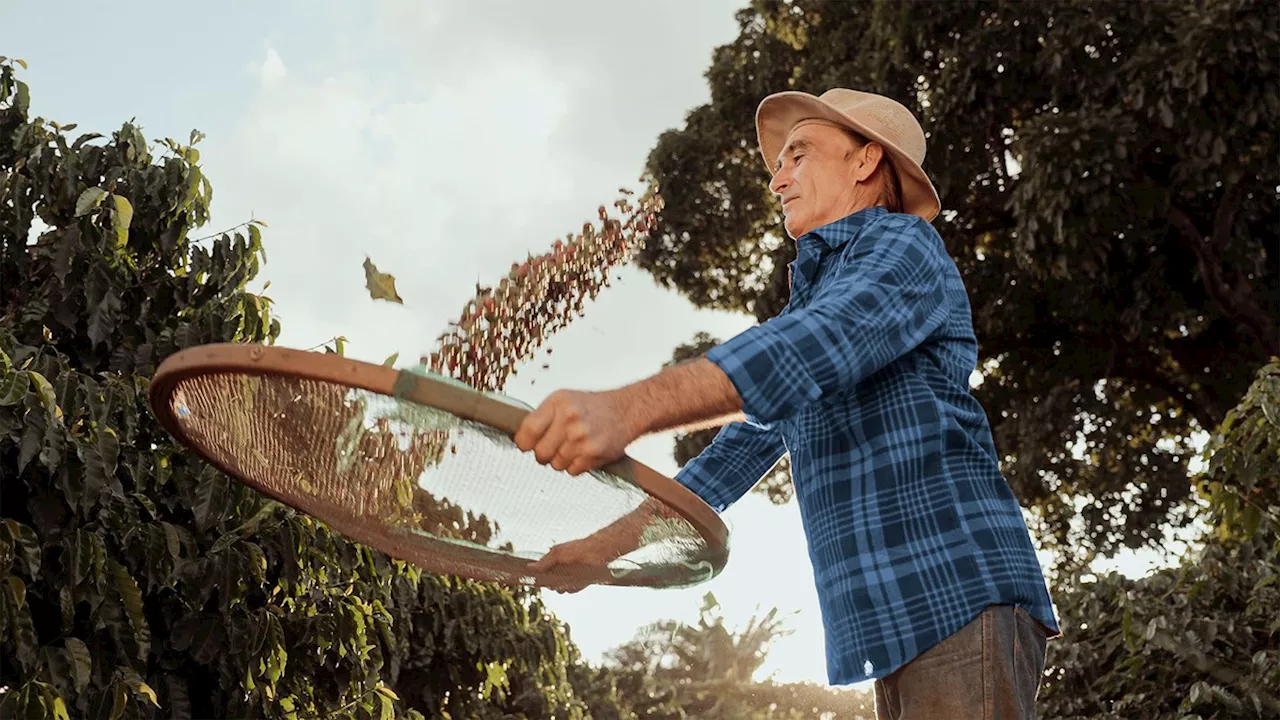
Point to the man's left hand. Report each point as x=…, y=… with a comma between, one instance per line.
x=577, y=431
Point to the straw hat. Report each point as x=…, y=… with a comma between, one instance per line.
x=875, y=117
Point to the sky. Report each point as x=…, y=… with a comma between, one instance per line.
x=444, y=140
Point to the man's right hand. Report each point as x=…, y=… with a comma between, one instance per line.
x=596, y=550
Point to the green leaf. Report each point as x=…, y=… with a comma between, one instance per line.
x=44, y=390
x=119, y=699
x=178, y=700
x=146, y=504
x=59, y=708
x=35, y=428
x=28, y=544
x=13, y=387
x=139, y=685
x=100, y=457
x=85, y=557
x=81, y=662
x=210, y=501
x=391, y=361
x=131, y=597
x=122, y=218
x=1252, y=517
x=225, y=541
x=171, y=541
x=278, y=657
x=21, y=632
x=381, y=286
x=19, y=590
x=23, y=100
x=388, y=710
x=104, y=316
x=89, y=199
x=67, y=607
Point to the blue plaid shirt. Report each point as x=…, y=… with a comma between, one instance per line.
x=864, y=379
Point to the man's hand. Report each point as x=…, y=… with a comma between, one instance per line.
x=577, y=431
x=581, y=431
x=601, y=547
x=594, y=550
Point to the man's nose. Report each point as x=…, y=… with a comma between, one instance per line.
x=780, y=182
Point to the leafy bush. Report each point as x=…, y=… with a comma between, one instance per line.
x=135, y=580
x=1202, y=639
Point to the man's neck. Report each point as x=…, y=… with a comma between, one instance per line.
x=838, y=216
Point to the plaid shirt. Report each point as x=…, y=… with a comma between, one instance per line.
x=864, y=379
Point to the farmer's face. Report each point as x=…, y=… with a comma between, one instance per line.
x=821, y=177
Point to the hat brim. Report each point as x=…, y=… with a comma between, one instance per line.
x=779, y=113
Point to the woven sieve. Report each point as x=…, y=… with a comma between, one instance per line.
x=423, y=468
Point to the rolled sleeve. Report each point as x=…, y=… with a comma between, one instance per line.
x=732, y=464
x=889, y=295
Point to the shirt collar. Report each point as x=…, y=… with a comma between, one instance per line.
x=841, y=231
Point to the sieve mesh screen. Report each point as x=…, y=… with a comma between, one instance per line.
x=449, y=494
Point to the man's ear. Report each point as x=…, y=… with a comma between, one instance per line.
x=868, y=160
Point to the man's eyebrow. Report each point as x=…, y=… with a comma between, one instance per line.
x=794, y=145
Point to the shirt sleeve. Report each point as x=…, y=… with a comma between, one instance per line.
x=732, y=464
x=888, y=296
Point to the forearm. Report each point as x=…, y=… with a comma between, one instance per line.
x=692, y=392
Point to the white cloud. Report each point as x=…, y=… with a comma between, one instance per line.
x=272, y=70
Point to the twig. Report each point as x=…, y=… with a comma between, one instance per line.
x=233, y=228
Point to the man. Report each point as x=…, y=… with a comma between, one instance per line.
x=926, y=575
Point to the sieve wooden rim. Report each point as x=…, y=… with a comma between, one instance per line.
x=463, y=402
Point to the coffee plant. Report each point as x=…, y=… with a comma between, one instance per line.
x=135, y=579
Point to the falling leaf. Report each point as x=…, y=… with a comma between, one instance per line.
x=381, y=285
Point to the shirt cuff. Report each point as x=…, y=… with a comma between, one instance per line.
x=751, y=361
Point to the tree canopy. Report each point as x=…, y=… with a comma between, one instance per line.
x=1109, y=182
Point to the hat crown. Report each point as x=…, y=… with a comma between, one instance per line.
x=882, y=115
x=875, y=117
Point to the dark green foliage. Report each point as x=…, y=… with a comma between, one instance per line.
x=1201, y=639
x=1125, y=278
x=137, y=581
x=1242, y=484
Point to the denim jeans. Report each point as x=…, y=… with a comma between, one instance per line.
x=989, y=670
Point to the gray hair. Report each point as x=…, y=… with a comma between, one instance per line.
x=890, y=183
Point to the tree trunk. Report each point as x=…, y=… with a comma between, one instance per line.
x=1236, y=299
